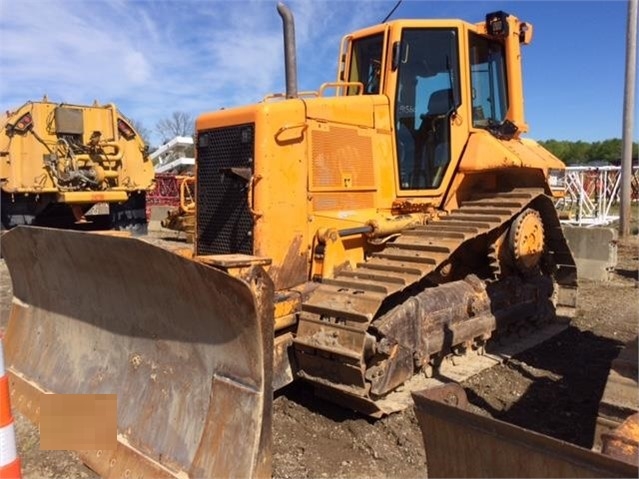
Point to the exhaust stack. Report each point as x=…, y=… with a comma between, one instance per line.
x=290, y=61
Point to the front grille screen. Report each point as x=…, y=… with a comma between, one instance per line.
x=224, y=168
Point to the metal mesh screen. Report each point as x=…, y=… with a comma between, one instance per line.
x=339, y=155
x=224, y=222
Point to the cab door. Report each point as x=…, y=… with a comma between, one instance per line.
x=430, y=131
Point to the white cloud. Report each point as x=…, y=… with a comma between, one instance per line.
x=153, y=58
x=137, y=68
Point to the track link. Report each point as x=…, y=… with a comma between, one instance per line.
x=335, y=334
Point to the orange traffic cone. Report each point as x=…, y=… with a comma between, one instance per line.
x=9, y=461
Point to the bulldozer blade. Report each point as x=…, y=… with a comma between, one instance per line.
x=187, y=349
x=459, y=443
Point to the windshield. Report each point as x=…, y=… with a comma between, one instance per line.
x=488, y=82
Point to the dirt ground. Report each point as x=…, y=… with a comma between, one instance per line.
x=553, y=388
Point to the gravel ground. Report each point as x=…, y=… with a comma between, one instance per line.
x=553, y=388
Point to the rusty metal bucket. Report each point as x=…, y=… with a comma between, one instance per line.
x=459, y=443
x=186, y=348
x=620, y=398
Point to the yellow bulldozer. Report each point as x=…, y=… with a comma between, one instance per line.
x=58, y=161
x=351, y=241
x=182, y=218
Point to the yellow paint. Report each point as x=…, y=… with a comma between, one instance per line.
x=485, y=152
x=279, y=195
x=124, y=164
x=287, y=305
x=329, y=254
x=286, y=308
x=86, y=197
x=395, y=224
x=283, y=322
x=327, y=163
x=513, y=68
x=529, y=239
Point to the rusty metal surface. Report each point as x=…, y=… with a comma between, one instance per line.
x=623, y=442
x=452, y=394
x=186, y=348
x=283, y=365
x=620, y=398
x=461, y=444
x=366, y=331
x=293, y=269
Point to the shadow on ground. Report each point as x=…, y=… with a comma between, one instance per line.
x=567, y=377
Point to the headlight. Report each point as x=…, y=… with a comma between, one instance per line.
x=557, y=179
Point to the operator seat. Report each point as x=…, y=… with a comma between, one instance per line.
x=440, y=102
x=434, y=136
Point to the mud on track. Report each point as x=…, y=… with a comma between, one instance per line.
x=553, y=388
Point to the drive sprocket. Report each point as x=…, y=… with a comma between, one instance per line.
x=526, y=240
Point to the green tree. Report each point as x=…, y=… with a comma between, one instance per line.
x=557, y=148
x=583, y=152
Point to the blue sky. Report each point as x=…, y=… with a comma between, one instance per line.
x=155, y=57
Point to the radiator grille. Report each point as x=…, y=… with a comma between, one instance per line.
x=224, y=222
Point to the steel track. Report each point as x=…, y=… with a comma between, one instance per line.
x=336, y=333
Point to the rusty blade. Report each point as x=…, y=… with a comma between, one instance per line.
x=186, y=348
x=619, y=399
x=451, y=393
x=459, y=443
x=623, y=442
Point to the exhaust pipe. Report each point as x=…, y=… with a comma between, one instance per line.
x=290, y=61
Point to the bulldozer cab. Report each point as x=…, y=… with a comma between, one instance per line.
x=444, y=79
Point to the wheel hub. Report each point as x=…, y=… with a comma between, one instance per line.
x=527, y=240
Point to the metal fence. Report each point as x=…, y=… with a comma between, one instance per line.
x=592, y=194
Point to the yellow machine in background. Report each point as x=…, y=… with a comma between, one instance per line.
x=352, y=241
x=182, y=218
x=58, y=160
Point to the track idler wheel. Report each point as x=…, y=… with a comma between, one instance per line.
x=526, y=241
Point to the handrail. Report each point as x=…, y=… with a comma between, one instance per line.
x=282, y=96
x=341, y=84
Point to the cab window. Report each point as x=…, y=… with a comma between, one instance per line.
x=427, y=96
x=487, y=81
x=366, y=64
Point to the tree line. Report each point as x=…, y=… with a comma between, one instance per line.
x=583, y=152
x=178, y=124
